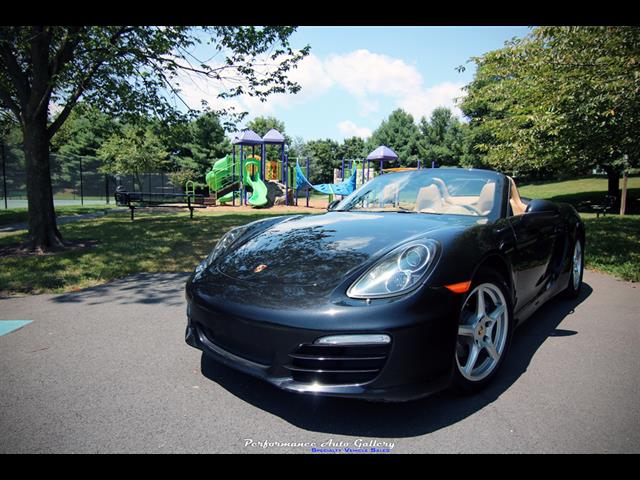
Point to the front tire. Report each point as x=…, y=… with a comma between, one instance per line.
x=485, y=328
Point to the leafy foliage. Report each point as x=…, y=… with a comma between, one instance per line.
x=400, y=133
x=124, y=71
x=323, y=158
x=261, y=125
x=443, y=139
x=136, y=150
x=353, y=148
x=560, y=99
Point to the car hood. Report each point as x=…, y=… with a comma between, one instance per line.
x=321, y=250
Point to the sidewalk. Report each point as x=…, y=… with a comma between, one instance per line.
x=14, y=227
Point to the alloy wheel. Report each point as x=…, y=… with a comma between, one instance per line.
x=482, y=332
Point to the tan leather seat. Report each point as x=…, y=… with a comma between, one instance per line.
x=517, y=206
x=485, y=199
x=429, y=199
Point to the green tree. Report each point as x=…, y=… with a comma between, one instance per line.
x=84, y=132
x=194, y=147
x=122, y=70
x=137, y=149
x=76, y=143
x=561, y=99
x=443, y=139
x=323, y=158
x=353, y=148
x=261, y=125
x=400, y=133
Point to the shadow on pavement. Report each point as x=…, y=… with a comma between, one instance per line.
x=144, y=288
x=396, y=420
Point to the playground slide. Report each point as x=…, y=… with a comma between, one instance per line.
x=228, y=197
x=252, y=180
x=343, y=188
x=220, y=174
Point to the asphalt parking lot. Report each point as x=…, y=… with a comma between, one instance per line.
x=107, y=370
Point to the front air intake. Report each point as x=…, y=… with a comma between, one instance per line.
x=337, y=364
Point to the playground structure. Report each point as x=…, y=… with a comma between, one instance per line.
x=247, y=168
x=267, y=179
x=247, y=175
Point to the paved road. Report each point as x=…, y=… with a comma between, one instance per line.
x=107, y=370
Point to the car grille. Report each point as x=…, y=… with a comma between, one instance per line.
x=337, y=364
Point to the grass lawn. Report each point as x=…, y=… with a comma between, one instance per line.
x=613, y=245
x=19, y=215
x=152, y=243
x=582, y=190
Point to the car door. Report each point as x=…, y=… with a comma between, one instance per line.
x=535, y=238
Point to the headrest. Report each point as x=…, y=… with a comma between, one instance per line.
x=485, y=200
x=429, y=198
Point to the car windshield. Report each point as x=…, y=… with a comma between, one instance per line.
x=435, y=191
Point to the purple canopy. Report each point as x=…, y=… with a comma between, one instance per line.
x=273, y=136
x=382, y=153
x=248, y=137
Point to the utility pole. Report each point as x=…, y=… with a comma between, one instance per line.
x=81, y=186
x=623, y=200
x=4, y=176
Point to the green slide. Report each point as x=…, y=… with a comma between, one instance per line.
x=258, y=197
x=220, y=176
x=228, y=197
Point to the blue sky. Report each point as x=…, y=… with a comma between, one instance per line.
x=356, y=76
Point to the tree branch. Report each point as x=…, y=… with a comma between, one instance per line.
x=81, y=87
x=65, y=52
x=16, y=75
x=8, y=102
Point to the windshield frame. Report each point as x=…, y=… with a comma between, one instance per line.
x=500, y=198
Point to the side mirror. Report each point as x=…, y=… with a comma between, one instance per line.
x=539, y=206
x=332, y=205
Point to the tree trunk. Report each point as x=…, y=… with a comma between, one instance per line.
x=43, y=231
x=613, y=180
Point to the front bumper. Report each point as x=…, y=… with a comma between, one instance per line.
x=277, y=345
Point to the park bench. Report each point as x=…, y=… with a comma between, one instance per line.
x=134, y=200
x=606, y=206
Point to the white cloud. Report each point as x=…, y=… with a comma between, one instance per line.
x=423, y=102
x=362, y=72
x=350, y=129
x=367, y=76
x=310, y=74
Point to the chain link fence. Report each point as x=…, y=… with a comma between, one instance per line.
x=76, y=180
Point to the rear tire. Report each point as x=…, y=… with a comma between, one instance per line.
x=577, y=270
x=485, y=328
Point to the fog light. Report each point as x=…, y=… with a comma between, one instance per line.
x=354, y=339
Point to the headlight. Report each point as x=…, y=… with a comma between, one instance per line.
x=398, y=272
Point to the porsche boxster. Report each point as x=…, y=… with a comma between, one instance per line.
x=412, y=284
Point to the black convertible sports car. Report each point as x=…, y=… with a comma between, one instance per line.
x=413, y=283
